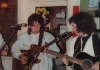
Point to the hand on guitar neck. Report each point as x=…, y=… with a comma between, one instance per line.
x=65, y=60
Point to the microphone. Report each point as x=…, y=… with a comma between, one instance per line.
x=20, y=25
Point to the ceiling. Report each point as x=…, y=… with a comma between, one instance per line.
x=45, y=0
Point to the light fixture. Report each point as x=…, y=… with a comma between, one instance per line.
x=4, y=4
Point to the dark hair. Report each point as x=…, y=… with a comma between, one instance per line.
x=32, y=18
x=84, y=22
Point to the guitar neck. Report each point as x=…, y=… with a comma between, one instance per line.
x=72, y=59
x=50, y=43
x=65, y=35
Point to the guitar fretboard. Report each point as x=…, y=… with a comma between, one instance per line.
x=72, y=59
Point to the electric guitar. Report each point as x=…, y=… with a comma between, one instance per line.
x=84, y=60
x=34, y=51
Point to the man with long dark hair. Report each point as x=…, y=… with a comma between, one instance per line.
x=32, y=37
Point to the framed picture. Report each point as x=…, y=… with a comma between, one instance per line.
x=93, y=4
x=48, y=13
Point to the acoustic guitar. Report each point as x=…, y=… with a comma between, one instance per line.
x=84, y=60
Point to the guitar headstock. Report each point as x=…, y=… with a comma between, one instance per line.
x=64, y=36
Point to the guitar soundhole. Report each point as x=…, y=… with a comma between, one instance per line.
x=87, y=64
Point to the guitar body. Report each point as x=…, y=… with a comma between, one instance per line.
x=32, y=59
x=88, y=61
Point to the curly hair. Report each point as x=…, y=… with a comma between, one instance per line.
x=85, y=22
x=32, y=18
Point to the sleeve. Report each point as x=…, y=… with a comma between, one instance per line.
x=1, y=41
x=16, y=47
x=52, y=47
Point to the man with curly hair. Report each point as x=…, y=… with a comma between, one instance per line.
x=85, y=42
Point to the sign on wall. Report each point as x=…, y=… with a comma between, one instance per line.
x=44, y=13
x=93, y=4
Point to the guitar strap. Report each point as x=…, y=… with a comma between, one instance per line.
x=77, y=46
x=40, y=38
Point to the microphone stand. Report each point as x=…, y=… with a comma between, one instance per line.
x=4, y=44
